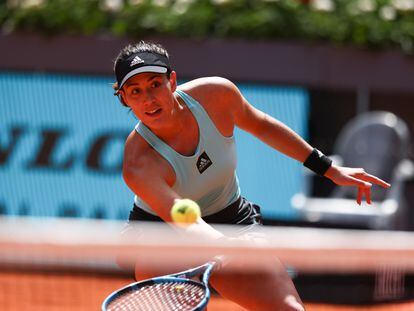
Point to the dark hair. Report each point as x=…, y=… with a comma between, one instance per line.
x=141, y=46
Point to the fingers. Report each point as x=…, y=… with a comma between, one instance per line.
x=359, y=196
x=359, y=178
x=367, y=192
x=364, y=189
x=364, y=192
x=374, y=180
x=359, y=182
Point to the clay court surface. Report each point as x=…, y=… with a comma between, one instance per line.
x=82, y=291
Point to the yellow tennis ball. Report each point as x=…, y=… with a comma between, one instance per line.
x=185, y=211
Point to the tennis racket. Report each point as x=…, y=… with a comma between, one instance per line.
x=177, y=291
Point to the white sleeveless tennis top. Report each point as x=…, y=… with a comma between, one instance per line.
x=207, y=177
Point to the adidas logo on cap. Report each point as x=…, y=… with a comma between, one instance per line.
x=137, y=60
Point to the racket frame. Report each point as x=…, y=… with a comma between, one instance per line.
x=181, y=277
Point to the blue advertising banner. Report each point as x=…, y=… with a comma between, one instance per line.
x=61, y=145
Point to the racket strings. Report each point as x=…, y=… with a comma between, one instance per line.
x=171, y=296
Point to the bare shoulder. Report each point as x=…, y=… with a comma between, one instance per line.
x=208, y=82
x=135, y=145
x=207, y=87
x=220, y=98
x=136, y=153
x=142, y=161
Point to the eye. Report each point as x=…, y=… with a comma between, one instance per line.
x=156, y=84
x=135, y=91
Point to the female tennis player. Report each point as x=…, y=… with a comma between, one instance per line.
x=183, y=147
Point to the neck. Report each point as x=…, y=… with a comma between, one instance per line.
x=175, y=125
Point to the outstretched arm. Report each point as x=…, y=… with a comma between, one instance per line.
x=148, y=176
x=280, y=137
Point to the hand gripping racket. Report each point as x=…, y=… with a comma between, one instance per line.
x=170, y=292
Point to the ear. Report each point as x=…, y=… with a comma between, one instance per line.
x=173, y=81
x=121, y=98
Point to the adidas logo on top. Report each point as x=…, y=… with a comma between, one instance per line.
x=203, y=162
x=137, y=60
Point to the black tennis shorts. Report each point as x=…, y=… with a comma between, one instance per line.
x=241, y=212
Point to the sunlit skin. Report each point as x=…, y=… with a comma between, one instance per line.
x=150, y=96
x=347, y=176
x=152, y=99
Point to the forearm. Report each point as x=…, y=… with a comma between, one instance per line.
x=282, y=138
x=203, y=230
x=162, y=201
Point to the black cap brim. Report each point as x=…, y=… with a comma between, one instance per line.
x=141, y=62
x=156, y=69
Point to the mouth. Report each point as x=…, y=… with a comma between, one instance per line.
x=153, y=113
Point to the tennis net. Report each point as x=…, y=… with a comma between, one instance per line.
x=55, y=264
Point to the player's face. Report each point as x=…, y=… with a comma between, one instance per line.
x=150, y=96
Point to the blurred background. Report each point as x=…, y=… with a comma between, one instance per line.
x=315, y=65
x=338, y=72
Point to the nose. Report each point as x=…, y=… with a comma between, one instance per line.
x=149, y=98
